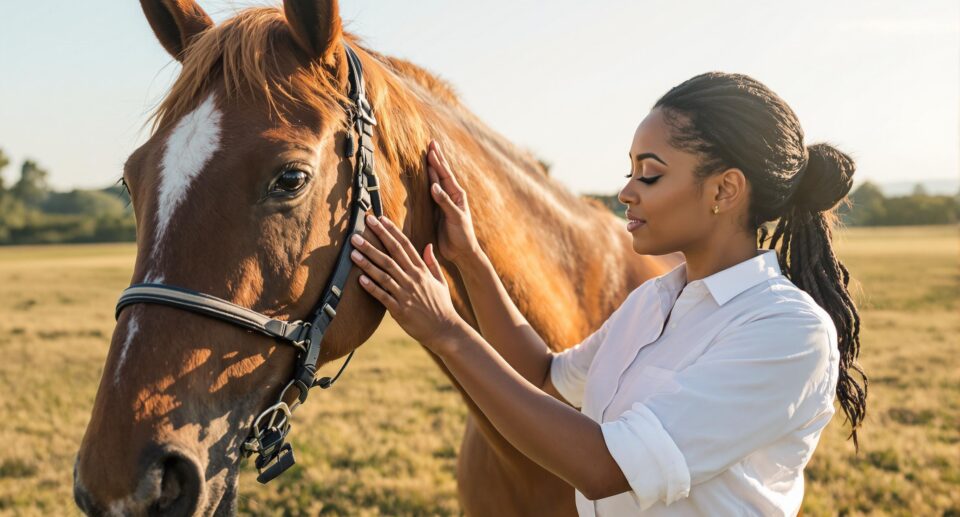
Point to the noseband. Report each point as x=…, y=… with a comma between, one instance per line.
x=271, y=427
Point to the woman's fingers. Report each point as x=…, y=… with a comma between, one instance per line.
x=443, y=160
x=448, y=180
x=432, y=264
x=396, y=250
x=450, y=209
x=380, y=276
x=377, y=292
x=382, y=260
x=402, y=240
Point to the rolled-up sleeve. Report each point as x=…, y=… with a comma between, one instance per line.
x=757, y=383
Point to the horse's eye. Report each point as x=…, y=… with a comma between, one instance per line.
x=290, y=182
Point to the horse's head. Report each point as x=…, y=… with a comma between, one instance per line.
x=243, y=192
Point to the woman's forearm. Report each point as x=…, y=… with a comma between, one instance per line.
x=556, y=436
x=501, y=323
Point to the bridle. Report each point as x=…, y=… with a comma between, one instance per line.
x=271, y=426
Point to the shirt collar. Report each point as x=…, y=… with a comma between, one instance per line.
x=728, y=283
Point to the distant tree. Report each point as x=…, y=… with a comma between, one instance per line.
x=93, y=203
x=4, y=161
x=13, y=216
x=919, y=190
x=920, y=210
x=867, y=206
x=32, y=187
x=611, y=201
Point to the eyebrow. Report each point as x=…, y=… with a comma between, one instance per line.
x=644, y=156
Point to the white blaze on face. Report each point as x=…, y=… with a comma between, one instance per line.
x=133, y=326
x=189, y=148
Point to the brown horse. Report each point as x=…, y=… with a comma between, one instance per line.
x=259, y=96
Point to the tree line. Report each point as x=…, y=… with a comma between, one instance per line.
x=33, y=213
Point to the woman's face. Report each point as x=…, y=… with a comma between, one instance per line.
x=674, y=212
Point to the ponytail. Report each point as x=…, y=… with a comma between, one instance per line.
x=805, y=236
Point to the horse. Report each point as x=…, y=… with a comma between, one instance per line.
x=259, y=105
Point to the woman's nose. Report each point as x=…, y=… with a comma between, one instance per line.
x=625, y=196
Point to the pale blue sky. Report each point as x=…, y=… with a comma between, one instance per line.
x=568, y=80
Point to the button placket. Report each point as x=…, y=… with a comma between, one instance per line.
x=626, y=364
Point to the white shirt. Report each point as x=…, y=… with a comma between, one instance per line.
x=719, y=413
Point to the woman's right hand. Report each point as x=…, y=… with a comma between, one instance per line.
x=456, y=239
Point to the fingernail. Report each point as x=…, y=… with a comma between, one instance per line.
x=436, y=188
x=364, y=280
x=356, y=255
x=357, y=239
x=372, y=221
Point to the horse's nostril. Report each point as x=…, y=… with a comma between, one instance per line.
x=180, y=486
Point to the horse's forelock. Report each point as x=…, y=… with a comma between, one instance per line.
x=251, y=56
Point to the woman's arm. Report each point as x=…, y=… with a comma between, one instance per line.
x=501, y=323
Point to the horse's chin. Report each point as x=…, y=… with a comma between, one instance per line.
x=222, y=496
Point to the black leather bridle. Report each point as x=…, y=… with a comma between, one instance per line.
x=271, y=426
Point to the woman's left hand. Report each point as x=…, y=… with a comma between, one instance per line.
x=413, y=289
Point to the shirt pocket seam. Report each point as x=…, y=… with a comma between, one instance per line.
x=663, y=380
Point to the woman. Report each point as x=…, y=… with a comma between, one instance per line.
x=706, y=391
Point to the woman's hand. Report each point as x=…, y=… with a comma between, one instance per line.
x=414, y=290
x=455, y=236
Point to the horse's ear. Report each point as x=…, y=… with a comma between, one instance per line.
x=316, y=25
x=175, y=22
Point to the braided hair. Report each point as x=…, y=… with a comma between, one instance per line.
x=732, y=120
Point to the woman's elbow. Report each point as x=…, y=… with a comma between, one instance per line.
x=603, y=485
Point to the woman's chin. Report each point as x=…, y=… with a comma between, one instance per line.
x=640, y=246
x=643, y=246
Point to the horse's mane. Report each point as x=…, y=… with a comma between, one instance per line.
x=254, y=55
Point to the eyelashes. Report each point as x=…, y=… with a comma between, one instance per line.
x=648, y=181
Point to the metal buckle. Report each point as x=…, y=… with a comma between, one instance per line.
x=302, y=341
x=259, y=434
x=364, y=204
x=273, y=455
x=277, y=465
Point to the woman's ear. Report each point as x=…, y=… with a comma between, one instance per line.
x=316, y=25
x=176, y=23
x=731, y=188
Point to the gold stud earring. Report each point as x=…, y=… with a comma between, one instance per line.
x=716, y=209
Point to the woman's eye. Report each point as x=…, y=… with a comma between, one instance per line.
x=290, y=182
x=647, y=180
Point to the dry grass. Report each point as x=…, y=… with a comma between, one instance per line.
x=384, y=441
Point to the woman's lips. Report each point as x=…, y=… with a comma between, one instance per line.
x=633, y=224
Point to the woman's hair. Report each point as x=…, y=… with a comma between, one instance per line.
x=734, y=121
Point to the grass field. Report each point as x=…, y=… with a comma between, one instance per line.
x=384, y=441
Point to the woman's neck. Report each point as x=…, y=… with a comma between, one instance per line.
x=719, y=252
